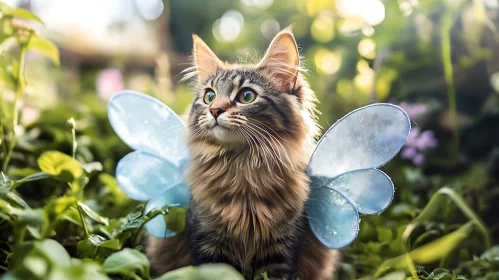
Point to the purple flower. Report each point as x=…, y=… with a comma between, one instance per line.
x=417, y=143
x=413, y=110
x=109, y=81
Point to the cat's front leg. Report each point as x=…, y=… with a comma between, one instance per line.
x=316, y=261
x=168, y=254
x=278, y=260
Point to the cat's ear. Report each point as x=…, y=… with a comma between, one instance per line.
x=282, y=60
x=205, y=60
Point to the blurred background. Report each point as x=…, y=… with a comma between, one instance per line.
x=438, y=59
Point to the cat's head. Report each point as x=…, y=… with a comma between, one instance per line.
x=262, y=107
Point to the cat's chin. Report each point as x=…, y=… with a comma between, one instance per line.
x=226, y=136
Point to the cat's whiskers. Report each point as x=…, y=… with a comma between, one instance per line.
x=256, y=141
x=274, y=140
x=269, y=151
x=244, y=134
x=269, y=128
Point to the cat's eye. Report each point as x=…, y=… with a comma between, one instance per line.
x=209, y=96
x=246, y=96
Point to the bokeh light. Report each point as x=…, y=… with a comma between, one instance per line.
x=364, y=80
x=269, y=28
x=406, y=8
x=150, y=9
x=367, y=48
x=494, y=81
x=326, y=61
x=262, y=4
x=371, y=12
x=322, y=28
x=228, y=27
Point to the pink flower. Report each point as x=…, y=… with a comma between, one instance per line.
x=29, y=115
x=417, y=143
x=413, y=110
x=109, y=81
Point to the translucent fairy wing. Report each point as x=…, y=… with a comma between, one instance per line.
x=370, y=190
x=142, y=176
x=365, y=138
x=332, y=218
x=177, y=195
x=343, y=171
x=145, y=124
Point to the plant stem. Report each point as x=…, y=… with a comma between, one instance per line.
x=19, y=231
x=87, y=234
x=446, y=25
x=15, y=113
x=74, y=142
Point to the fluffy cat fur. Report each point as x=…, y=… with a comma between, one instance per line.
x=247, y=175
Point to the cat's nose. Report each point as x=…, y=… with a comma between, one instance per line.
x=215, y=112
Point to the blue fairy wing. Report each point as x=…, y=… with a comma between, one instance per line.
x=344, y=178
x=332, y=218
x=142, y=176
x=370, y=190
x=177, y=195
x=147, y=125
x=365, y=138
x=145, y=177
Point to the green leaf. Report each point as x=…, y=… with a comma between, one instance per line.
x=5, y=184
x=491, y=254
x=399, y=275
x=49, y=260
x=384, y=234
x=93, y=215
x=7, y=79
x=12, y=197
x=59, y=205
x=92, y=167
x=32, y=217
x=33, y=177
x=78, y=270
x=46, y=47
x=434, y=207
x=128, y=262
x=89, y=248
x=49, y=249
x=430, y=252
x=25, y=14
x=61, y=166
x=54, y=252
x=175, y=219
x=133, y=223
x=203, y=272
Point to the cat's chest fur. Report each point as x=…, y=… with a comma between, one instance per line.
x=238, y=211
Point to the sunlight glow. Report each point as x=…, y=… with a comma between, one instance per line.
x=262, y=4
x=150, y=9
x=364, y=81
x=228, y=27
x=322, y=28
x=367, y=48
x=269, y=28
x=371, y=11
x=406, y=8
x=327, y=62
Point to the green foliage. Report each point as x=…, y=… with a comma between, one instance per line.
x=63, y=215
x=128, y=262
x=175, y=220
x=45, y=47
x=60, y=166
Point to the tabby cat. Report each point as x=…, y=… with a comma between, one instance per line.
x=251, y=134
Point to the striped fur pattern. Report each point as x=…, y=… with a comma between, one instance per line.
x=247, y=174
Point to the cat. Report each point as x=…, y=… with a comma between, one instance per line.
x=252, y=130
